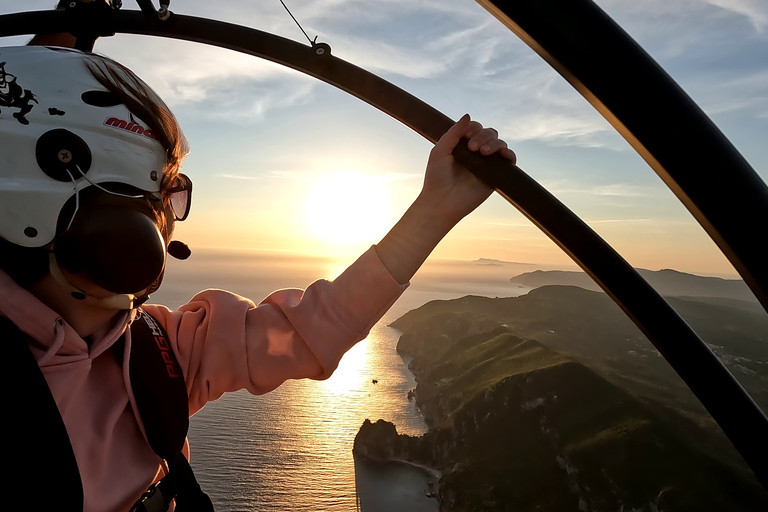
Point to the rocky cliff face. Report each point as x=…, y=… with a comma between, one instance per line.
x=517, y=426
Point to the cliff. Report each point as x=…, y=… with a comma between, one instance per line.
x=515, y=425
x=590, y=328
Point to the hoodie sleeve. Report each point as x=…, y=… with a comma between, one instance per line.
x=225, y=342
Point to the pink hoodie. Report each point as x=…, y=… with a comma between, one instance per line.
x=223, y=342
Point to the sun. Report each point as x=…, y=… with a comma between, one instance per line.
x=349, y=208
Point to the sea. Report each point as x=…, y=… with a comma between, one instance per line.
x=291, y=449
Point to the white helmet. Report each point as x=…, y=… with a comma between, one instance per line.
x=62, y=131
x=65, y=139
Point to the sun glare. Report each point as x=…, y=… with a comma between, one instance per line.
x=347, y=208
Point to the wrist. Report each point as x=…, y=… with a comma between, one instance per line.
x=412, y=239
x=437, y=212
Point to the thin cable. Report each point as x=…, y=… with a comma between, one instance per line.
x=77, y=197
x=77, y=192
x=141, y=196
x=299, y=24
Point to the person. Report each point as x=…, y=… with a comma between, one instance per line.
x=90, y=190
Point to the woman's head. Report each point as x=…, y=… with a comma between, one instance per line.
x=147, y=106
x=81, y=135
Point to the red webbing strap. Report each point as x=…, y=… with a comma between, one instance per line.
x=159, y=387
x=161, y=398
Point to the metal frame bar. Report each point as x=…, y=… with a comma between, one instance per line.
x=730, y=405
x=655, y=115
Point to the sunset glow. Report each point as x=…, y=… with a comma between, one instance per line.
x=348, y=208
x=283, y=162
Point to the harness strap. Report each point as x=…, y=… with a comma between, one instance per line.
x=41, y=469
x=161, y=398
x=158, y=385
x=38, y=452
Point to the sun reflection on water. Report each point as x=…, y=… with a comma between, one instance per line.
x=350, y=374
x=291, y=449
x=300, y=436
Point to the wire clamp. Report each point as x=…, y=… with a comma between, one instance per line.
x=321, y=49
x=163, y=13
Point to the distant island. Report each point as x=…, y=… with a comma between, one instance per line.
x=499, y=263
x=669, y=283
x=555, y=401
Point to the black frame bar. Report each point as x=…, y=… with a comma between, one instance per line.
x=729, y=404
x=664, y=125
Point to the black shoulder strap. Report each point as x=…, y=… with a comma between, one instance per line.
x=161, y=398
x=43, y=472
x=37, y=452
x=159, y=387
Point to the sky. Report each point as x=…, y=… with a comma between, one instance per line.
x=283, y=162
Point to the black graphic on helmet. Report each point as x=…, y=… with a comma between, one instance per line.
x=12, y=95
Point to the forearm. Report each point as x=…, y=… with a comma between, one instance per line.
x=450, y=193
x=408, y=244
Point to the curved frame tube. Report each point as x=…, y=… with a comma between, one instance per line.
x=655, y=115
x=728, y=403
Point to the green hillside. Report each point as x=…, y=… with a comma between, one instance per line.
x=516, y=426
x=589, y=327
x=587, y=417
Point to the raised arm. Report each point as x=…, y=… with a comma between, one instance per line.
x=450, y=192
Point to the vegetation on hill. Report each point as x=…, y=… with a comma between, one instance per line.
x=583, y=418
x=589, y=327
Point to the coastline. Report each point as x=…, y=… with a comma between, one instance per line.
x=386, y=485
x=436, y=473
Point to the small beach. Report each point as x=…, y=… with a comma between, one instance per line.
x=383, y=486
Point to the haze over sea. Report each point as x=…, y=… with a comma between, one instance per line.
x=291, y=449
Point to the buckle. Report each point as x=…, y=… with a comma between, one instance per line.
x=151, y=501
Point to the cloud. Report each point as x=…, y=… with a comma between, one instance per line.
x=411, y=39
x=185, y=73
x=236, y=176
x=617, y=221
x=521, y=224
x=217, y=83
x=391, y=58
x=748, y=91
x=317, y=176
x=756, y=11
x=541, y=105
x=451, y=53
x=619, y=190
x=247, y=101
x=550, y=125
x=716, y=62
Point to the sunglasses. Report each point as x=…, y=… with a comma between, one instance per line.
x=178, y=193
x=179, y=196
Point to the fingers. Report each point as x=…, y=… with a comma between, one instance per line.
x=451, y=138
x=496, y=146
x=487, y=141
x=484, y=140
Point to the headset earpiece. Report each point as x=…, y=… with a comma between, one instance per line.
x=118, y=248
